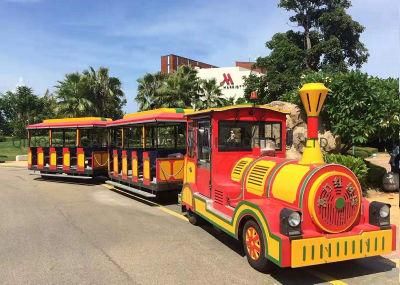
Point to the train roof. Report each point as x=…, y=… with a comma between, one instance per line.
x=234, y=107
x=153, y=116
x=83, y=122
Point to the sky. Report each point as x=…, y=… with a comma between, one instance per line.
x=42, y=40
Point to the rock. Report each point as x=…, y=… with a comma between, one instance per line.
x=296, y=114
x=328, y=142
x=296, y=120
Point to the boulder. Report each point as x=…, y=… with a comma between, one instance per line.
x=296, y=120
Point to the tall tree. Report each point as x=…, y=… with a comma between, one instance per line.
x=326, y=38
x=19, y=109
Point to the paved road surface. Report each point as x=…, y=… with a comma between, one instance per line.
x=55, y=232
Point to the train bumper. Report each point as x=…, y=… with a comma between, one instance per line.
x=312, y=251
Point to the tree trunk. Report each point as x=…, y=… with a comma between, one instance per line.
x=307, y=38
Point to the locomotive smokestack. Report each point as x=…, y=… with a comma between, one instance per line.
x=312, y=96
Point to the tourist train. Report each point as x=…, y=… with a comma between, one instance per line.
x=229, y=165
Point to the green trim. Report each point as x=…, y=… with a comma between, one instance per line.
x=179, y=110
x=376, y=243
x=361, y=246
x=246, y=212
x=353, y=247
x=304, y=253
x=345, y=247
x=383, y=243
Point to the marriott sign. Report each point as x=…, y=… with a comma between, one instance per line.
x=230, y=79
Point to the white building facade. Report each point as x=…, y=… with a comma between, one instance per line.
x=231, y=79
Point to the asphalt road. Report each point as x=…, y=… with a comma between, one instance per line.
x=60, y=232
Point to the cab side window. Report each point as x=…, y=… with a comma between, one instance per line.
x=203, y=142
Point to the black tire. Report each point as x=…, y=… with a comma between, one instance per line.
x=193, y=218
x=257, y=261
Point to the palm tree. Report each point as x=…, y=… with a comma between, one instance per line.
x=73, y=98
x=181, y=89
x=148, y=96
x=106, y=92
x=211, y=95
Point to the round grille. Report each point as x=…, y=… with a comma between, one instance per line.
x=336, y=203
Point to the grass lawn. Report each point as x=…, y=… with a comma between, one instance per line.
x=11, y=148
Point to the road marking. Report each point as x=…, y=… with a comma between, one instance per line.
x=162, y=208
x=326, y=277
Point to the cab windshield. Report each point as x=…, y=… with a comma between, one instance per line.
x=244, y=136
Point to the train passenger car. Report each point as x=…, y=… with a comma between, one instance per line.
x=291, y=213
x=71, y=146
x=147, y=150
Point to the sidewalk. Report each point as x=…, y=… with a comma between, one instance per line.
x=17, y=164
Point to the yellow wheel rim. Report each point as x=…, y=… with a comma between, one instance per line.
x=253, y=243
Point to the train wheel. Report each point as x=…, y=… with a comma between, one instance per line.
x=254, y=246
x=193, y=218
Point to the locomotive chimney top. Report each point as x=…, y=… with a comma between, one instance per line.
x=312, y=96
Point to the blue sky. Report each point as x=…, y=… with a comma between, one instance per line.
x=41, y=40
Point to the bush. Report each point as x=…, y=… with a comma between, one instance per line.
x=2, y=138
x=355, y=164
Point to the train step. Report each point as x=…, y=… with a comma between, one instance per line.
x=131, y=189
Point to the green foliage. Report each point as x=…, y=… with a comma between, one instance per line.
x=90, y=93
x=181, y=89
x=359, y=108
x=19, y=109
x=259, y=84
x=2, y=138
x=355, y=164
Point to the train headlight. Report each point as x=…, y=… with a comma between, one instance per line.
x=379, y=214
x=294, y=219
x=290, y=223
x=384, y=211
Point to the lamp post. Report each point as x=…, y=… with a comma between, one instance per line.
x=313, y=96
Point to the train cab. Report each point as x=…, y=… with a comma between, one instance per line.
x=219, y=138
x=71, y=146
x=147, y=151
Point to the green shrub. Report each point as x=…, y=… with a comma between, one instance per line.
x=362, y=152
x=355, y=164
x=2, y=138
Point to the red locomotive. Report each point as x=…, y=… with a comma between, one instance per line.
x=292, y=213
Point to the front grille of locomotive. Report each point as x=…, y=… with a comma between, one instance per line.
x=336, y=204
